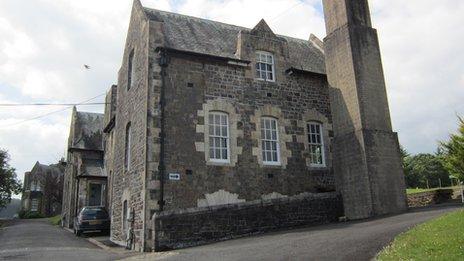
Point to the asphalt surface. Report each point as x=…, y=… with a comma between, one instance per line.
x=39, y=240
x=360, y=240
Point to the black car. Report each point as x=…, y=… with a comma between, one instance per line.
x=91, y=219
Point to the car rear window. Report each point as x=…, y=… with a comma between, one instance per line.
x=94, y=214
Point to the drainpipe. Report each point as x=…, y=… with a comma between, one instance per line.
x=76, y=203
x=163, y=62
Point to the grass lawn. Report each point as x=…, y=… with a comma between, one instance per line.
x=56, y=220
x=438, y=239
x=419, y=190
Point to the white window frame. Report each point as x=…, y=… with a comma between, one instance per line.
x=210, y=135
x=260, y=60
x=264, y=139
x=312, y=143
x=36, y=207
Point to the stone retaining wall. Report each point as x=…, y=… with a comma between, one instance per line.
x=196, y=226
x=429, y=197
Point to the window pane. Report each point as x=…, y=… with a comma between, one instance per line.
x=268, y=156
x=224, y=131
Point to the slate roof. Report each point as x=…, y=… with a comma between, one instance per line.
x=88, y=130
x=187, y=33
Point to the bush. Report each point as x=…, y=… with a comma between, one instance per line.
x=29, y=214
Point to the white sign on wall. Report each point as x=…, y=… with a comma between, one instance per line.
x=174, y=176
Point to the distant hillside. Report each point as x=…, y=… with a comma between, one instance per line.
x=11, y=209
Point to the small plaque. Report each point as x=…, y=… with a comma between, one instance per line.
x=174, y=176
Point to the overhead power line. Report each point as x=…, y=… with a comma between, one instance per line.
x=53, y=112
x=277, y=17
x=48, y=104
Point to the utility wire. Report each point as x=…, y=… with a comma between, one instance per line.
x=275, y=18
x=48, y=104
x=53, y=112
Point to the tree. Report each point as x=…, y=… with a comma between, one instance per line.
x=453, y=152
x=9, y=183
x=426, y=170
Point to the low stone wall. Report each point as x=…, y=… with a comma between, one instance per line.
x=197, y=226
x=427, y=198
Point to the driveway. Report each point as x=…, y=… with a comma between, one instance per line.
x=39, y=240
x=360, y=240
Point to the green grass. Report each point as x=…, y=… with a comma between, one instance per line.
x=56, y=220
x=419, y=190
x=438, y=239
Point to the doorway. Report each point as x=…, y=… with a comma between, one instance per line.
x=95, y=194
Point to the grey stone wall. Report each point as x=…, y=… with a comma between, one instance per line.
x=367, y=162
x=191, y=227
x=427, y=198
x=290, y=99
x=132, y=107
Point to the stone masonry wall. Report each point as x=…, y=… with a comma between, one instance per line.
x=129, y=185
x=191, y=227
x=427, y=198
x=215, y=85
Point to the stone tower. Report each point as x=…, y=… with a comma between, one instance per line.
x=367, y=160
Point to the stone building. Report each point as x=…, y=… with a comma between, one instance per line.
x=109, y=122
x=210, y=113
x=85, y=178
x=43, y=188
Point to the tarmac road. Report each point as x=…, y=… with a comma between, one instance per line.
x=37, y=239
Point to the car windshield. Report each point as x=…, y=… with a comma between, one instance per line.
x=94, y=213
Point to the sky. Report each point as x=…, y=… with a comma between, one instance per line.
x=45, y=43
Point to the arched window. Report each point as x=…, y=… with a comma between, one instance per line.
x=270, y=141
x=127, y=148
x=124, y=215
x=218, y=132
x=265, y=66
x=130, y=70
x=316, y=144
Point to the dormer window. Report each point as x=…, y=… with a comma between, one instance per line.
x=265, y=66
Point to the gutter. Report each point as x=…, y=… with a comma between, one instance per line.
x=229, y=60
